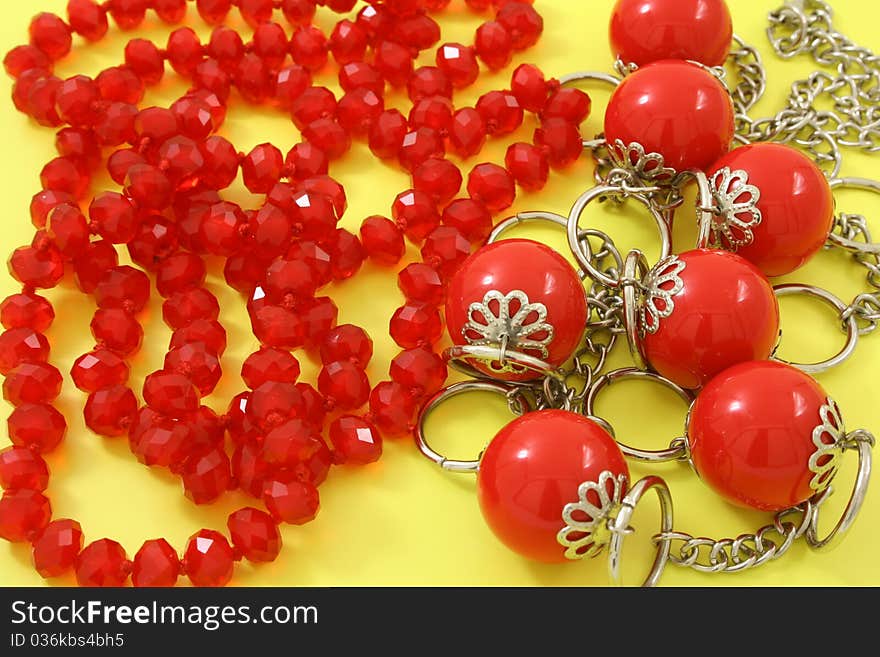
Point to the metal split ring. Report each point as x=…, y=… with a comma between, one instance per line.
x=704, y=205
x=511, y=393
x=583, y=251
x=674, y=453
x=864, y=184
x=852, y=327
x=621, y=527
x=459, y=357
x=635, y=268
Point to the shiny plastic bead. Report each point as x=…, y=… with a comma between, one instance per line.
x=221, y=162
x=270, y=44
x=36, y=268
x=528, y=165
x=156, y=564
x=44, y=202
x=358, y=109
x=289, y=443
x=438, y=178
x=347, y=343
x=308, y=46
x=420, y=370
x=226, y=46
x=313, y=104
x=25, y=58
x=427, y=81
x=269, y=364
x=500, y=111
x=493, y=45
x=252, y=78
x=197, y=363
x=38, y=427
x=162, y=442
x=387, y=133
x=524, y=24
x=394, y=62
x=128, y=14
x=102, y=563
x=91, y=266
x=32, y=383
x=79, y=145
x=155, y=240
x=392, y=408
x=361, y=74
x=208, y=560
x=22, y=468
x=416, y=214
x=467, y=132
x=329, y=136
x=123, y=287
x=213, y=11
x=262, y=168
x=184, y=51
x=50, y=34
x=529, y=87
x=561, y=141
x=344, y=384
x=255, y=534
x=206, y=476
x=148, y=186
x=434, y=112
x=255, y=12
x=170, y=393
x=109, y=411
x=21, y=345
x=221, y=228
x=65, y=175
x=114, y=217
x=145, y=59
x=115, y=125
x=99, y=369
x=179, y=272
x=170, y=11
x=185, y=307
x=290, y=83
x=348, y=42
x=208, y=332
x=291, y=501
x=120, y=84
x=23, y=514
x=459, y=63
x=117, y=330
x=382, y=240
x=305, y=160
x=355, y=440
x=573, y=105
x=421, y=283
x=57, y=547
x=492, y=186
x=88, y=19
x=415, y=325
x=26, y=310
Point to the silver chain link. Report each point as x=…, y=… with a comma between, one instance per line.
x=866, y=306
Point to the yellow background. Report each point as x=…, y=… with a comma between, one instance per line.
x=402, y=521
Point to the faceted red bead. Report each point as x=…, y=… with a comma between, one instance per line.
x=255, y=12
x=252, y=78
x=500, y=111
x=415, y=325
x=329, y=136
x=392, y=408
x=208, y=332
x=290, y=500
x=120, y=162
x=524, y=24
x=561, y=140
x=387, y=133
x=439, y=178
x=41, y=101
x=170, y=11
x=261, y=169
x=276, y=326
x=344, y=384
x=65, y=175
x=37, y=267
x=90, y=267
x=528, y=165
x=75, y=100
x=271, y=403
x=418, y=31
x=170, y=393
x=197, y=363
x=57, y=547
x=305, y=160
x=290, y=443
x=213, y=11
x=208, y=559
x=156, y=564
x=194, y=117
x=128, y=14
x=206, y=476
x=348, y=42
x=79, y=145
x=382, y=240
x=44, y=202
x=145, y=59
x=210, y=76
x=330, y=188
x=99, y=369
x=358, y=109
x=298, y=12
x=312, y=216
x=114, y=217
x=361, y=74
x=226, y=46
x=470, y=217
x=355, y=440
x=221, y=162
x=376, y=20
x=181, y=160
x=445, y=248
x=311, y=405
x=23, y=514
x=25, y=58
x=530, y=87
x=308, y=46
x=394, y=62
x=271, y=231
x=87, y=18
x=415, y=213
x=421, y=283
x=270, y=44
x=50, y=34
x=184, y=51
x=110, y=411
x=255, y=534
x=249, y=469
x=148, y=186
x=467, y=133
x=221, y=229
x=573, y=105
x=21, y=345
x=434, y=112
x=185, y=307
x=346, y=254
x=102, y=563
x=21, y=88
x=289, y=279
x=155, y=241
x=319, y=318
x=123, y=287
x=163, y=442
x=243, y=272
x=492, y=186
x=269, y=364
x=26, y=310
x=156, y=124
x=316, y=257
x=38, y=427
x=347, y=343
x=179, y=272
x=117, y=330
x=419, y=369
x=22, y=468
x=32, y=383
x=494, y=45
x=459, y=63
x=427, y=81
x=418, y=146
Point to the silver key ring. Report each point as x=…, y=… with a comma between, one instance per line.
x=864, y=184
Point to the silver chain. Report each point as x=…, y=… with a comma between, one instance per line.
x=866, y=306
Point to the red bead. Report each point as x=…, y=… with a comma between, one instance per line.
x=41, y=101
x=724, y=312
x=355, y=440
x=530, y=87
x=347, y=343
x=221, y=228
x=459, y=63
x=524, y=24
x=344, y=384
x=674, y=108
x=421, y=283
x=38, y=427
x=420, y=370
x=56, y=549
x=226, y=46
x=50, y=34
x=184, y=51
x=179, y=272
x=795, y=202
x=156, y=564
x=329, y=136
x=210, y=76
x=21, y=88
x=347, y=254
x=289, y=280
x=392, y=408
x=427, y=81
x=148, y=186
x=32, y=383
x=271, y=403
x=34, y=267
x=25, y=58
x=416, y=214
x=415, y=325
x=120, y=162
x=26, y=310
x=249, y=469
x=44, y=202
x=155, y=240
x=270, y=44
x=386, y=134
x=525, y=481
x=23, y=514
x=561, y=140
x=751, y=435
x=467, y=133
x=271, y=233
x=181, y=160
x=358, y=109
x=79, y=145
x=289, y=443
x=573, y=105
x=645, y=31
x=291, y=501
x=538, y=272
x=22, y=468
x=145, y=59
x=99, y=369
x=269, y=364
x=528, y=165
x=196, y=363
x=252, y=78
x=102, y=563
x=87, y=18
x=195, y=120
x=20, y=345
x=290, y=83
x=492, y=186
x=128, y=14
x=189, y=305
x=434, y=112
x=114, y=217
x=65, y=175
x=361, y=74
x=255, y=534
x=255, y=12
x=348, y=42
x=208, y=332
x=110, y=411
x=262, y=168
x=162, y=442
x=123, y=287
x=418, y=146
x=206, y=476
x=316, y=257
x=221, y=162
x=170, y=11
x=213, y=11
x=382, y=240
x=209, y=559
x=418, y=31
x=116, y=126
x=500, y=111
x=298, y=12
x=306, y=161
x=312, y=216
x=494, y=45
x=243, y=272
x=394, y=62
x=276, y=326
x=308, y=46
x=117, y=330
x=170, y=393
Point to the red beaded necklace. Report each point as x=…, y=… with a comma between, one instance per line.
x=171, y=167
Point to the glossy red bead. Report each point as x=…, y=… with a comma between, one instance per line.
x=290, y=83
x=39, y=427
x=434, y=112
x=305, y=160
x=261, y=169
x=32, y=383
x=725, y=313
x=394, y=62
x=290, y=500
x=415, y=325
x=567, y=103
x=91, y=266
x=206, y=476
x=420, y=370
x=65, y=175
x=221, y=162
x=208, y=560
x=170, y=11
x=197, y=363
x=674, y=108
x=50, y=34
x=221, y=229
x=270, y=43
x=523, y=23
x=155, y=240
x=57, y=547
x=445, y=248
x=329, y=136
x=25, y=58
x=213, y=11
x=99, y=369
x=252, y=79
x=255, y=534
x=528, y=165
x=44, y=202
x=382, y=240
x=346, y=254
x=148, y=186
x=421, y=283
x=348, y=42
x=115, y=329
x=358, y=109
x=560, y=140
x=795, y=202
x=170, y=393
x=179, y=272
x=361, y=74
x=347, y=343
x=123, y=287
x=494, y=45
x=162, y=442
x=356, y=441
x=26, y=310
x=145, y=59
x=110, y=411
x=23, y=514
x=492, y=186
x=205, y=331
x=80, y=145
x=471, y=218
x=21, y=345
x=344, y=384
x=529, y=87
x=289, y=443
x=427, y=81
x=185, y=307
x=751, y=435
x=459, y=63
x=298, y=12
x=249, y=469
x=525, y=480
x=120, y=162
x=269, y=364
x=500, y=111
x=114, y=217
x=87, y=18
x=156, y=564
x=22, y=468
x=308, y=46
x=35, y=267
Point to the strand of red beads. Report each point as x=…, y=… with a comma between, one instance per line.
x=171, y=167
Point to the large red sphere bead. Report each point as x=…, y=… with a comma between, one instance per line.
x=751, y=435
x=645, y=31
x=533, y=468
x=528, y=282
x=674, y=108
x=792, y=196
x=704, y=311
